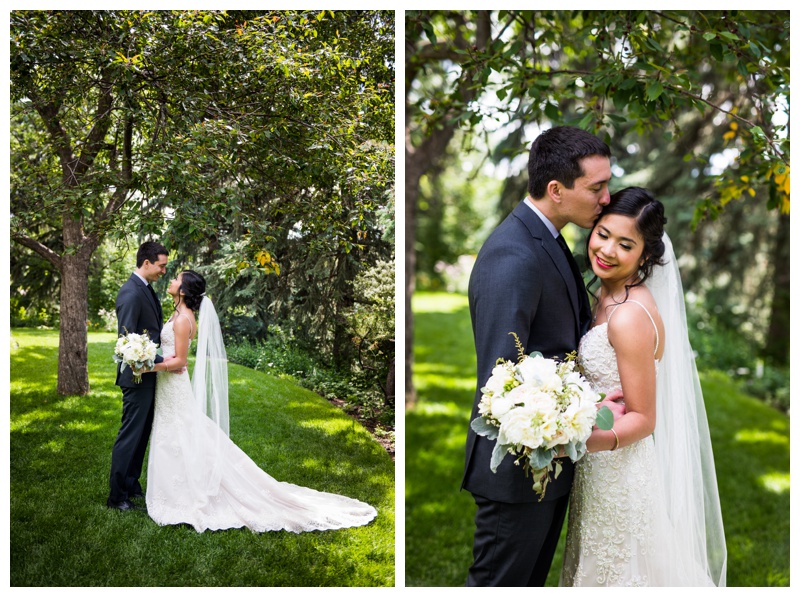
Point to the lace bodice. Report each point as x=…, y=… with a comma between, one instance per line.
x=168, y=340
x=598, y=359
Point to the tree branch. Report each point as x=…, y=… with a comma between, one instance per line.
x=43, y=251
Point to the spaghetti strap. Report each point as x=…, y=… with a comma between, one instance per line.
x=191, y=327
x=648, y=314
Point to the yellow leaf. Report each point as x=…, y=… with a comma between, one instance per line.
x=744, y=178
x=263, y=257
x=729, y=135
x=785, y=205
x=752, y=191
x=734, y=125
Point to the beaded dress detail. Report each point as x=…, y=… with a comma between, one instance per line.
x=246, y=496
x=618, y=531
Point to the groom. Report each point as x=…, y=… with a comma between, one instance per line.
x=526, y=281
x=138, y=309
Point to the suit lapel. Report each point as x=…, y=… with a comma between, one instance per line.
x=545, y=239
x=148, y=297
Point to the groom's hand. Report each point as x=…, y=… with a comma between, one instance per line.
x=612, y=402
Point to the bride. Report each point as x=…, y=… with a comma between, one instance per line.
x=644, y=508
x=195, y=473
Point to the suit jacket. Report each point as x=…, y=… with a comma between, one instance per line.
x=138, y=310
x=521, y=282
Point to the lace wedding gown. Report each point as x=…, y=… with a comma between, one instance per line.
x=618, y=532
x=198, y=476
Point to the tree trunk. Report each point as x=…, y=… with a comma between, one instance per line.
x=420, y=160
x=777, y=343
x=390, y=385
x=73, y=371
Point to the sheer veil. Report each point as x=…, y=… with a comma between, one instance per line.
x=210, y=391
x=683, y=443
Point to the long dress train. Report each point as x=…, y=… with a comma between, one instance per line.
x=198, y=476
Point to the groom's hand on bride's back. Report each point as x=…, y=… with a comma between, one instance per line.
x=613, y=401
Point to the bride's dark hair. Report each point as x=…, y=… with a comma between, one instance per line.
x=648, y=213
x=193, y=286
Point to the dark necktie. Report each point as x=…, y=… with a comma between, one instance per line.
x=158, y=303
x=585, y=311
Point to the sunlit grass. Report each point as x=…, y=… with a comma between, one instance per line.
x=62, y=534
x=750, y=440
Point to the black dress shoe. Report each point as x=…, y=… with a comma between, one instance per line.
x=136, y=496
x=123, y=505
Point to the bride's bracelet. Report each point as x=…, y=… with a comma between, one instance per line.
x=616, y=445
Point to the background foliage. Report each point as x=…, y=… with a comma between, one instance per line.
x=694, y=105
x=256, y=145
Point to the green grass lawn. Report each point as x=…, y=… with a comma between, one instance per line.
x=751, y=448
x=62, y=534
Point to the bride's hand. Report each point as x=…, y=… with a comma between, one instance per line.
x=166, y=363
x=611, y=401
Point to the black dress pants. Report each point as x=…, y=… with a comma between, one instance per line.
x=514, y=544
x=127, y=456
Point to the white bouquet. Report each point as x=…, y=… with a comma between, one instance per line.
x=135, y=351
x=536, y=408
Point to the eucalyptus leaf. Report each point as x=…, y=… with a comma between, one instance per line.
x=605, y=418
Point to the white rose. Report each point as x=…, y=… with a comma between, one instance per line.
x=578, y=420
x=500, y=406
x=519, y=428
x=533, y=397
x=537, y=370
x=497, y=382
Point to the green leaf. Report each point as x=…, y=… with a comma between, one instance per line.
x=552, y=112
x=584, y=123
x=654, y=90
x=605, y=418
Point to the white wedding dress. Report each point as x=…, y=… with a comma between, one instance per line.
x=619, y=532
x=196, y=475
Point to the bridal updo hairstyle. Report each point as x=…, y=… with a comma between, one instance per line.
x=193, y=286
x=648, y=212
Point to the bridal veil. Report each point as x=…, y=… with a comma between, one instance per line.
x=682, y=440
x=210, y=391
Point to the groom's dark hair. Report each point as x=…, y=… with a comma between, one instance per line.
x=149, y=251
x=556, y=154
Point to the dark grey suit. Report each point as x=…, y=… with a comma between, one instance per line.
x=522, y=282
x=138, y=309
